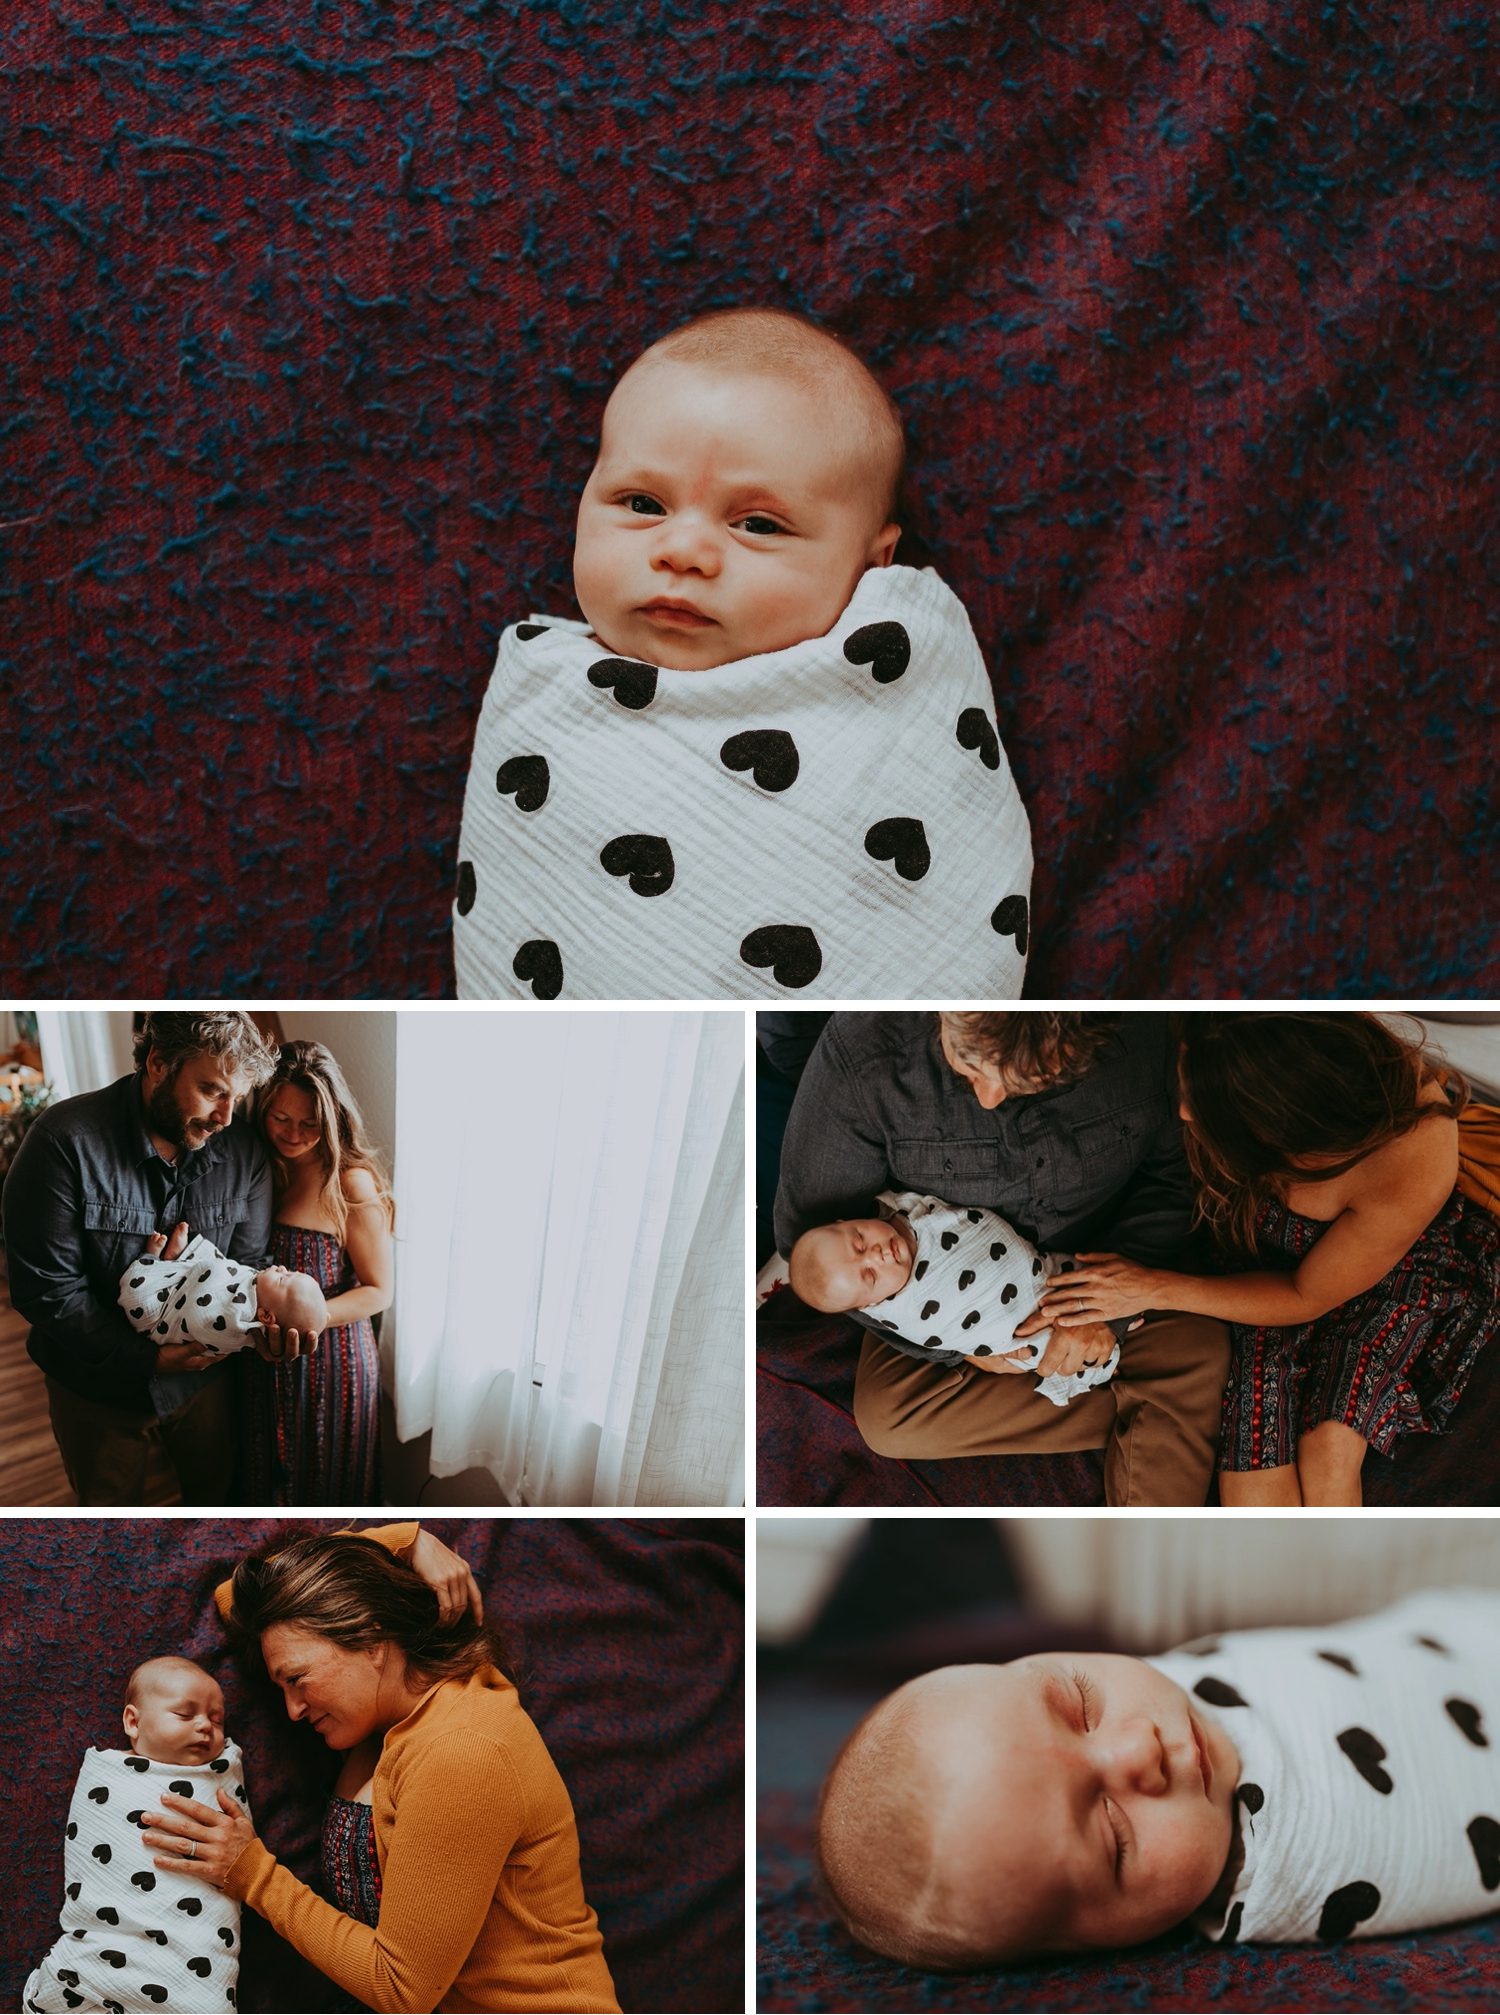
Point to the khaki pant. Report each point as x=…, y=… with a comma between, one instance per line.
x=1157, y=1420
x=109, y=1451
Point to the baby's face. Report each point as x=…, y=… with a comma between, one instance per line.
x=178, y=1716
x=729, y=513
x=1086, y=1801
x=294, y=1300
x=864, y=1259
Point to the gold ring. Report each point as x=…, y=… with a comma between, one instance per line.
x=192, y=1851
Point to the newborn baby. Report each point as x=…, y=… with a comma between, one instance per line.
x=1282, y=1785
x=937, y=1283
x=767, y=758
x=205, y=1299
x=132, y=1935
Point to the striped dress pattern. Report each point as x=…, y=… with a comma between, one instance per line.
x=1391, y=1361
x=312, y=1428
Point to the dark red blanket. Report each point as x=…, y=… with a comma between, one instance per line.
x=629, y=1638
x=309, y=314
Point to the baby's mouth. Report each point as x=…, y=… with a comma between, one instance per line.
x=1205, y=1764
x=676, y=615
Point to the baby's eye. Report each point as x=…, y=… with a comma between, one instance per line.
x=762, y=526
x=642, y=505
x=1087, y=1695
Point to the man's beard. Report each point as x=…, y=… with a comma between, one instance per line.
x=168, y=1121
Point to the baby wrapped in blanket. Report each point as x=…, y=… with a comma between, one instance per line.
x=1289, y=1785
x=939, y=1283
x=134, y=1937
x=768, y=761
x=203, y=1298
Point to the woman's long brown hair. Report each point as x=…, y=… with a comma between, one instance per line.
x=1277, y=1099
x=356, y=1593
x=343, y=1144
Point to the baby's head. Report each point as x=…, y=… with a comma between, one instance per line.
x=174, y=1712
x=294, y=1300
x=983, y=1813
x=747, y=476
x=851, y=1264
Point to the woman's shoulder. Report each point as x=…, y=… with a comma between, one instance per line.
x=483, y=1712
x=359, y=1186
x=1416, y=1167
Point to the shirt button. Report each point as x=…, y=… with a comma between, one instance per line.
x=948, y=1167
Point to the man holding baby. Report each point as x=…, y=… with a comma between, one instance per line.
x=1066, y=1125
x=95, y=1177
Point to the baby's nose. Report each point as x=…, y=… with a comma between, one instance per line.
x=1137, y=1758
x=686, y=544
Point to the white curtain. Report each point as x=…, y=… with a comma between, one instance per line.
x=571, y=1257
x=83, y=1049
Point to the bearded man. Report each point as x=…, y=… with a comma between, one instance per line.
x=159, y=1150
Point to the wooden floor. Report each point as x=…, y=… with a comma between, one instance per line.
x=31, y=1470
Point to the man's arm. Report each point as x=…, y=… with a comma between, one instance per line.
x=832, y=1161
x=49, y=1282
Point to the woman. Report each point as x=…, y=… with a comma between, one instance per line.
x=1325, y=1148
x=312, y=1426
x=450, y=1843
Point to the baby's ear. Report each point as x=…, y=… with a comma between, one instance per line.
x=131, y=1721
x=883, y=546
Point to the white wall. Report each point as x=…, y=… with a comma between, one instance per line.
x=365, y=1045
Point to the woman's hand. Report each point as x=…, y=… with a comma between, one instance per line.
x=448, y=1577
x=1101, y=1288
x=193, y=1839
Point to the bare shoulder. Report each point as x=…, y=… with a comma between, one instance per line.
x=360, y=1186
x=1414, y=1172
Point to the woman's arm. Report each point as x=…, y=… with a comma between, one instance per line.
x=461, y=1810
x=371, y=1250
x=1406, y=1184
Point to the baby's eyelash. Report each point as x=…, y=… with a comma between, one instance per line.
x=1121, y=1846
x=1088, y=1693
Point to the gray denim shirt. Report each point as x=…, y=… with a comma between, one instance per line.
x=85, y=1191
x=1093, y=1166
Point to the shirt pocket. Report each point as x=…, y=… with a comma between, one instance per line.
x=1094, y=1161
x=958, y=1171
x=116, y=1234
x=218, y=1218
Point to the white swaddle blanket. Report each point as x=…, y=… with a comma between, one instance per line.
x=1369, y=1793
x=973, y=1279
x=838, y=816
x=200, y=1297
x=133, y=1936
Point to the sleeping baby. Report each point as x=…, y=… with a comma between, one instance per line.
x=200, y=1297
x=1289, y=1785
x=134, y=1936
x=766, y=760
x=939, y=1283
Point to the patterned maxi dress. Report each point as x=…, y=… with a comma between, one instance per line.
x=312, y=1428
x=1392, y=1361
x=351, y=1867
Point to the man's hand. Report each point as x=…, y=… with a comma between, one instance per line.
x=1070, y=1350
x=1006, y=1363
x=184, y=1357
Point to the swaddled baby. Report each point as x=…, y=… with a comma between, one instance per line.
x=939, y=1283
x=1282, y=1785
x=213, y=1302
x=134, y=1936
x=767, y=760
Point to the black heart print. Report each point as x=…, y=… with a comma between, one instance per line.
x=1484, y=1837
x=1010, y=919
x=790, y=950
x=902, y=842
x=526, y=631
x=1347, y=1907
x=975, y=731
x=1467, y=1718
x=468, y=888
x=633, y=685
x=528, y=778
x=645, y=857
x=1367, y=1754
x=540, y=962
x=884, y=647
x=769, y=754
